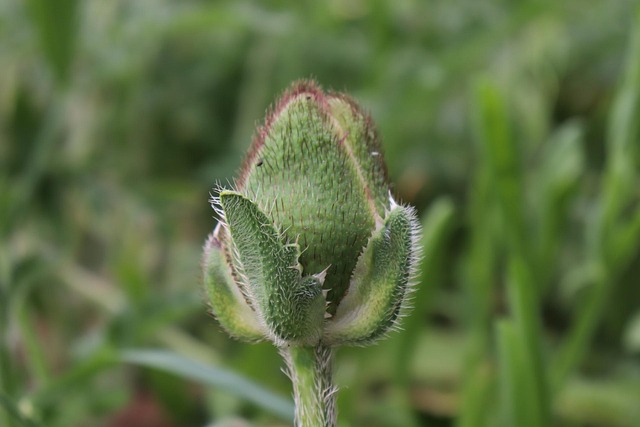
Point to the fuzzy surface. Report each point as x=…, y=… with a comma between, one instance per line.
x=315, y=168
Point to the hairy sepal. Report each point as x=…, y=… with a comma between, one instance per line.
x=225, y=299
x=380, y=283
x=290, y=306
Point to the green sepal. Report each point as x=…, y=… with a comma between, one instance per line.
x=378, y=288
x=291, y=306
x=227, y=302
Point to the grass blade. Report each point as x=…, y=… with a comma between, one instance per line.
x=517, y=381
x=211, y=376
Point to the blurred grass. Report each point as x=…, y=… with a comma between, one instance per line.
x=512, y=127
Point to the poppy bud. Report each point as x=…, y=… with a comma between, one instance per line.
x=310, y=246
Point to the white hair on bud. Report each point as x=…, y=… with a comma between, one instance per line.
x=392, y=202
x=414, y=259
x=322, y=275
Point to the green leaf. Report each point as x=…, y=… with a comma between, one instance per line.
x=525, y=305
x=517, y=380
x=211, y=376
x=501, y=153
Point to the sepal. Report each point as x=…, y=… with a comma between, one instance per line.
x=380, y=283
x=225, y=299
x=289, y=305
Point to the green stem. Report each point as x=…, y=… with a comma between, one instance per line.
x=310, y=369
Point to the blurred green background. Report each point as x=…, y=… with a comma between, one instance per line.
x=511, y=125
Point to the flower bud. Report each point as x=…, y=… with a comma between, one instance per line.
x=310, y=245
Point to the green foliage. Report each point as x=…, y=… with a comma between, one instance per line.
x=511, y=126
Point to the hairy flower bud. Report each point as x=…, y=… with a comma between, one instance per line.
x=310, y=246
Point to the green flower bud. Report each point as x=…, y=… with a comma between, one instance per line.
x=311, y=247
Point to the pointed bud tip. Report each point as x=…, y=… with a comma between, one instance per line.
x=322, y=275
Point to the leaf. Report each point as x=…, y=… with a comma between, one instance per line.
x=517, y=381
x=211, y=376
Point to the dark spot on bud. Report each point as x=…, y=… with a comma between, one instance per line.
x=308, y=97
x=259, y=163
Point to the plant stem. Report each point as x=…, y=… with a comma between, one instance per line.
x=310, y=370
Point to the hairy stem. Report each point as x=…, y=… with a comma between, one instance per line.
x=310, y=369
